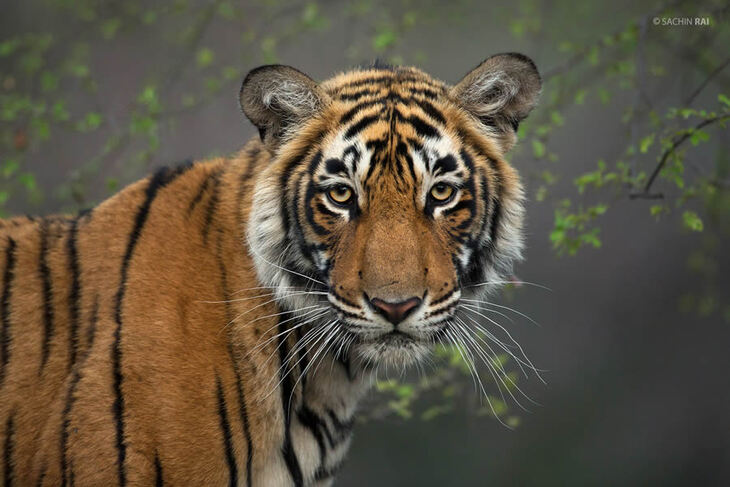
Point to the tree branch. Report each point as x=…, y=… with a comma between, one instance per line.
x=678, y=141
x=707, y=80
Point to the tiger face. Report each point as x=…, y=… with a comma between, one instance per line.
x=387, y=197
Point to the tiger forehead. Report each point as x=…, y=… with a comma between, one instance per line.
x=357, y=84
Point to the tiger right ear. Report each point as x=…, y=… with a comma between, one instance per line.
x=277, y=99
x=500, y=92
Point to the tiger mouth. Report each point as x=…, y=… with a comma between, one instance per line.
x=398, y=338
x=393, y=338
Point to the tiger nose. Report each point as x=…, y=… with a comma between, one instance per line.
x=395, y=312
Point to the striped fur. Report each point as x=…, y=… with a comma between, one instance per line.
x=208, y=326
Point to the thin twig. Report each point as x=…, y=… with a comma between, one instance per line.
x=707, y=80
x=678, y=140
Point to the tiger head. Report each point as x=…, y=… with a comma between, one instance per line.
x=387, y=197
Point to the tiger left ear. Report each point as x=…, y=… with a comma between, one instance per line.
x=500, y=92
x=277, y=99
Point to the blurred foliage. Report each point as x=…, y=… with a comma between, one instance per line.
x=674, y=154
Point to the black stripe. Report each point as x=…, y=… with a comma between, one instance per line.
x=74, y=292
x=335, y=166
x=199, y=195
x=71, y=399
x=45, y=274
x=391, y=77
x=9, y=473
x=430, y=110
x=425, y=92
x=243, y=412
x=422, y=128
x=444, y=297
x=159, y=180
x=289, y=168
x=494, y=223
x=342, y=427
x=325, y=473
x=445, y=164
x=303, y=357
x=158, y=472
x=5, y=337
x=361, y=124
x=42, y=476
x=212, y=205
x=287, y=449
x=357, y=95
x=227, y=436
x=315, y=425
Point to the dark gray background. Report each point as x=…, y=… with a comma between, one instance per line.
x=637, y=392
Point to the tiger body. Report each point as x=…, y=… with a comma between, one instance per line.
x=206, y=325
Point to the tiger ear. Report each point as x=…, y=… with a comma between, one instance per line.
x=500, y=92
x=277, y=99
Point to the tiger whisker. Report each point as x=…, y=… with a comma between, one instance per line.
x=489, y=303
x=474, y=372
x=286, y=363
x=487, y=363
x=511, y=338
x=479, y=302
x=308, y=337
x=488, y=283
x=322, y=352
x=319, y=312
x=251, y=247
x=494, y=364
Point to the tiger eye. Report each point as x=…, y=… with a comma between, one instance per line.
x=442, y=191
x=340, y=195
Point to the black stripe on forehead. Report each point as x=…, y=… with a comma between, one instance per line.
x=361, y=125
x=391, y=98
x=335, y=166
x=393, y=77
x=445, y=165
x=351, y=156
x=422, y=128
x=402, y=151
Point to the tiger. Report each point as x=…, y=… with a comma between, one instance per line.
x=219, y=322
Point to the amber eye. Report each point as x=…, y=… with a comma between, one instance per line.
x=340, y=195
x=442, y=192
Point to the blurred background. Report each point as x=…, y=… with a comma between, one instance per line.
x=627, y=168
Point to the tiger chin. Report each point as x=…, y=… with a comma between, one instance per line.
x=218, y=322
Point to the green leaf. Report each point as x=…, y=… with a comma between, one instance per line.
x=204, y=57
x=59, y=112
x=8, y=47
x=593, y=56
x=149, y=17
x=557, y=118
x=692, y=221
x=724, y=99
x=646, y=143
x=110, y=27
x=384, y=39
x=49, y=81
x=538, y=148
x=699, y=136
x=10, y=167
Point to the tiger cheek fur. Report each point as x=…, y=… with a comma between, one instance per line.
x=217, y=323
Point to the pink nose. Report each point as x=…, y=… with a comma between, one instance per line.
x=395, y=312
